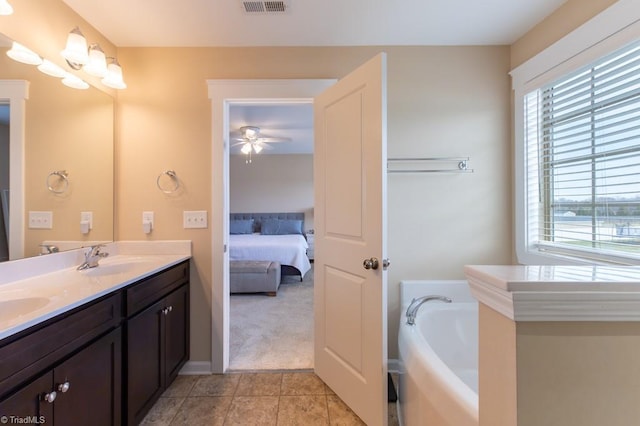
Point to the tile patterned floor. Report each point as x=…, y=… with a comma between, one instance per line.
x=279, y=399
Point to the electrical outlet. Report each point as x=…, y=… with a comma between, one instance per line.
x=87, y=217
x=195, y=219
x=40, y=220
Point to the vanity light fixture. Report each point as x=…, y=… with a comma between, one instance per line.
x=114, y=78
x=5, y=8
x=76, y=52
x=23, y=54
x=97, y=65
x=92, y=60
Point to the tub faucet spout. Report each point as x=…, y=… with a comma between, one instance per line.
x=412, y=310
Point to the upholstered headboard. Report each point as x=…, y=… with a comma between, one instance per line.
x=259, y=217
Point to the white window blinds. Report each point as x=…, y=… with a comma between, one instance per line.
x=582, y=136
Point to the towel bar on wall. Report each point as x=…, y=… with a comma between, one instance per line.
x=426, y=165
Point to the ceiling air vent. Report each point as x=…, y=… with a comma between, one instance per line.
x=264, y=6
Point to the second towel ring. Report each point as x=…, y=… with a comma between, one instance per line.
x=63, y=176
x=172, y=175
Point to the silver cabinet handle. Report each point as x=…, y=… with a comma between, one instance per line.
x=64, y=387
x=50, y=397
x=167, y=310
x=370, y=263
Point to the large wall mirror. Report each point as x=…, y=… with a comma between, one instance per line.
x=67, y=165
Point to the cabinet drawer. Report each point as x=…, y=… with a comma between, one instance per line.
x=36, y=349
x=151, y=289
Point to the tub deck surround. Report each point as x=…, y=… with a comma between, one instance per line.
x=557, y=344
x=558, y=293
x=36, y=289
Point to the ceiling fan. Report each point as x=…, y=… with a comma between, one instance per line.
x=252, y=140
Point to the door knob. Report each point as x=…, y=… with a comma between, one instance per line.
x=64, y=387
x=371, y=263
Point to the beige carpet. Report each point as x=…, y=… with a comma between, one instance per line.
x=273, y=333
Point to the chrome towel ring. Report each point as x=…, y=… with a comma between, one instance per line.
x=173, y=186
x=58, y=181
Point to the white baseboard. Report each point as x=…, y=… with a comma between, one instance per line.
x=204, y=367
x=192, y=368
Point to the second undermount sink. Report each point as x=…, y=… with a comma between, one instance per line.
x=17, y=307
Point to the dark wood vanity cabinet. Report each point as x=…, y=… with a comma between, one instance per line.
x=104, y=363
x=157, y=339
x=77, y=362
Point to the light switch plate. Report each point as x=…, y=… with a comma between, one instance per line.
x=195, y=219
x=148, y=217
x=40, y=220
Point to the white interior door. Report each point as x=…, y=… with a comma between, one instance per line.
x=350, y=225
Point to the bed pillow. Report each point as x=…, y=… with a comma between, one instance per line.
x=241, y=226
x=281, y=226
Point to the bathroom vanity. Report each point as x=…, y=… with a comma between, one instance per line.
x=104, y=347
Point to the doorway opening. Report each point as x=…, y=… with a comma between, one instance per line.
x=271, y=279
x=224, y=94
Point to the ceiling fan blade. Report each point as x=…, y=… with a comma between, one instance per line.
x=273, y=140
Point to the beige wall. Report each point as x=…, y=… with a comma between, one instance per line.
x=442, y=101
x=272, y=183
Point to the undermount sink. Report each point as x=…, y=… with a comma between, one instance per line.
x=116, y=266
x=16, y=307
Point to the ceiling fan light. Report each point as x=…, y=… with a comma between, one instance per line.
x=5, y=8
x=97, y=64
x=51, y=69
x=250, y=132
x=75, y=51
x=257, y=148
x=23, y=54
x=246, y=148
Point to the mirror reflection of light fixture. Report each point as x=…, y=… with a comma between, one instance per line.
x=5, y=8
x=51, y=69
x=74, y=82
x=23, y=54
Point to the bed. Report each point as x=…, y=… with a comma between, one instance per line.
x=270, y=236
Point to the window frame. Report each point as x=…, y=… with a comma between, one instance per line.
x=605, y=33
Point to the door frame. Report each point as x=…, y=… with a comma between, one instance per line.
x=223, y=94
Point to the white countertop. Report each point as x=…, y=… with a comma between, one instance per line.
x=558, y=293
x=34, y=290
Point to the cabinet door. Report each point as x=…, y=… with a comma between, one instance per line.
x=145, y=359
x=176, y=332
x=28, y=404
x=88, y=385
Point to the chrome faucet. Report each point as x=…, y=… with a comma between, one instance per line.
x=92, y=257
x=49, y=249
x=412, y=310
